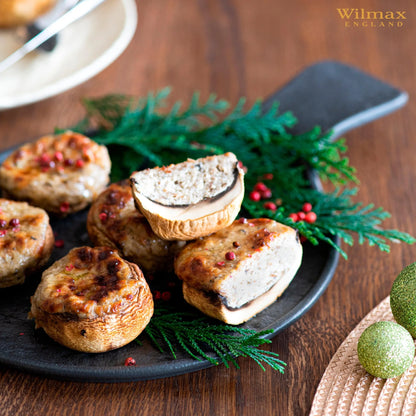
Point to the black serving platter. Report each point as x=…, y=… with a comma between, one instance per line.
x=24, y=348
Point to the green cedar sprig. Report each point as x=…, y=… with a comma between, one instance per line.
x=145, y=132
x=170, y=329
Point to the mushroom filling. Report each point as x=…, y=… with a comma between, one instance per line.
x=188, y=183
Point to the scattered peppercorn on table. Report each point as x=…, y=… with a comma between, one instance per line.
x=246, y=49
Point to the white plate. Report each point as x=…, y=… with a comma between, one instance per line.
x=84, y=49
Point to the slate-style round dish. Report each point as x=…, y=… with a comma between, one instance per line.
x=330, y=94
x=24, y=348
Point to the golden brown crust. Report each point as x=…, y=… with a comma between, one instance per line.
x=114, y=221
x=26, y=241
x=236, y=272
x=61, y=174
x=202, y=263
x=92, y=300
x=19, y=12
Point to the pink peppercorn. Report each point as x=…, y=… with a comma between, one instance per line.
x=14, y=222
x=3, y=223
x=166, y=295
x=103, y=216
x=79, y=163
x=3, y=233
x=44, y=159
x=230, y=255
x=68, y=162
x=59, y=243
x=130, y=362
x=64, y=207
x=59, y=157
x=220, y=264
x=242, y=220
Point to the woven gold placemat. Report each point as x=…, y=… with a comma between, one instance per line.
x=347, y=389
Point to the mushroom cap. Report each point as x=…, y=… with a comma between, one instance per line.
x=190, y=221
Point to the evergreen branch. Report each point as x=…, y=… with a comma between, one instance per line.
x=198, y=335
x=260, y=140
x=145, y=132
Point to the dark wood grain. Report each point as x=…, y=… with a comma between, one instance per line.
x=249, y=48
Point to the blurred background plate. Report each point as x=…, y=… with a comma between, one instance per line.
x=85, y=48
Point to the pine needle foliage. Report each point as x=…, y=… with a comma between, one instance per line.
x=169, y=329
x=144, y=132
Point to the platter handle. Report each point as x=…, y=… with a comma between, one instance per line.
x=337, y=97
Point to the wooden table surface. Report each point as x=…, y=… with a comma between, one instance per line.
x=249, y=48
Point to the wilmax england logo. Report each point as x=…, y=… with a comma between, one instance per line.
x=372, y=18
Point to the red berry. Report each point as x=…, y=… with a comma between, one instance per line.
x=230, y=255
x=260, y=186
x=59, y=157
x=14, y=222
x=310, y=217
x=103, y=216
x=241, y=166
x=64, y=207
x=59, y=243
x=79, y=163
x=68, y=162
x=270, y=205
x=268, y=176
x=266, y=194
x=294, y=216
x=301, y=216
x=166, y=295
x=44, y=159
x=130, y=362
x=255, y=196
x=307, y=206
